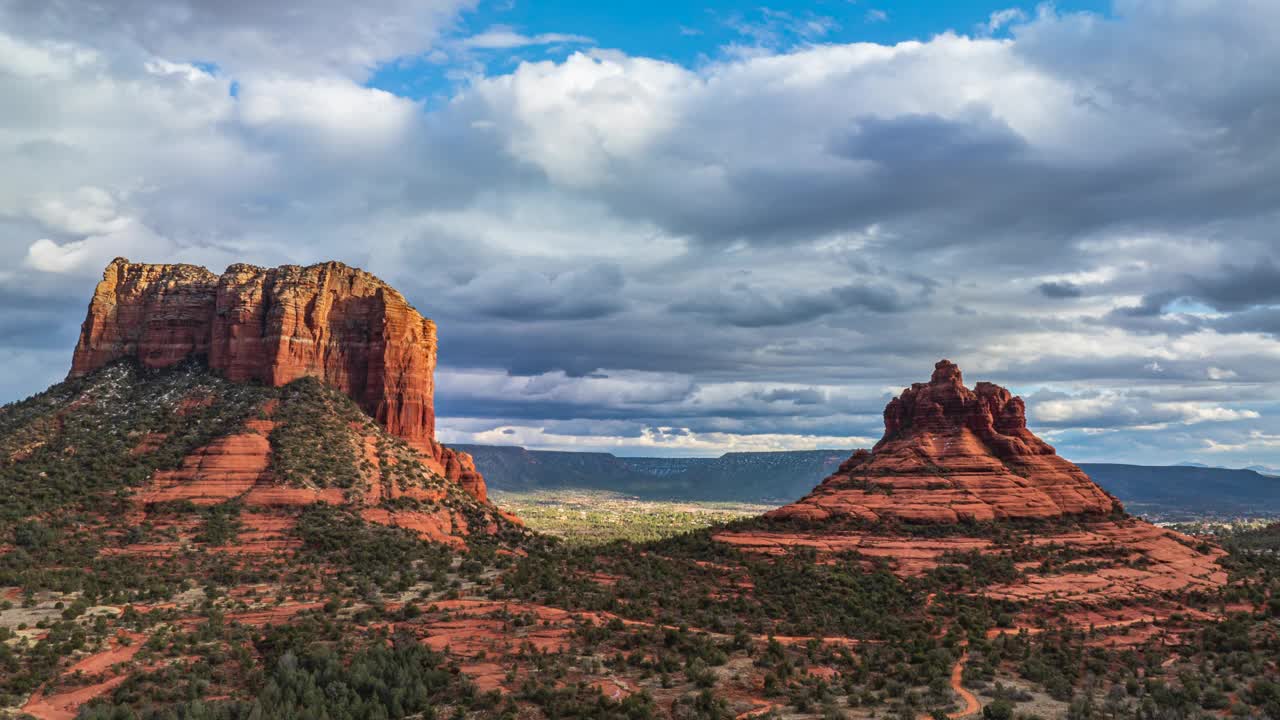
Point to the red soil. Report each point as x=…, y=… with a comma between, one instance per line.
x=1163, y=564
x=150, y=443
x=906, y=556
x=65, y=705
x=442, y=526
x=613, y=689
x=120, y=653
x=758, y=711
x=971, y=704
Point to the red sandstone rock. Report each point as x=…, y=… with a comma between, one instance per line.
x=226, y=468
x=950, y=454
x=334, y=322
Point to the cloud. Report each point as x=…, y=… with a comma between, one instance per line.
x=662, y=441
x=335, y=110
x=504, y=38
x=297, y=36
x=1256, y=440
x=1060, y=290
x=1003, y=18
x=578, y=294
x=755, y=245
x=1115, y=410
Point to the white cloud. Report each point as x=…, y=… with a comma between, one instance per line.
x=85, y=211
x=338, y=109
x=1003, y=18
x=664, y=440
x=1113, y=409
x=1258, y=441
x=572, y=119
x=47, y=256
x=504, y=38
x=1220, y=374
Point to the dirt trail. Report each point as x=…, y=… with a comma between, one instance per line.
x=757, y=712
x=971, y=704
x=65, y=706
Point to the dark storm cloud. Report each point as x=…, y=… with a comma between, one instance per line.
x=748, y=307
x=804, y=396
x=1260, y=320
x=1060, y=290
x=1237, y=287
x=1239, y=290
x=585, y=294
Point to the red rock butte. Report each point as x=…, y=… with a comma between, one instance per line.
x=339, y=324
x=951, y=454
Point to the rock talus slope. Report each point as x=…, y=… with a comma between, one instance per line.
x=334, y=322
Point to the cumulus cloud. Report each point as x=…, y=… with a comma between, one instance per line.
x=754, y=249
x=305, y=36
x=1111, y=409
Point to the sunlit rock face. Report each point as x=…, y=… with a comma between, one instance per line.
x=334, y=322
x=951, y=454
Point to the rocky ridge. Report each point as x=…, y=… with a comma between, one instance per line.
x=336, y=323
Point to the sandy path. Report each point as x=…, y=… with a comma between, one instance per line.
x=757, y=712
x=65, y=706
x=971, y=704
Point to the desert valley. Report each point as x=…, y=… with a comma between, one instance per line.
x=236, y=506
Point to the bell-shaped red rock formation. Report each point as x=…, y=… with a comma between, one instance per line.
x=950, y=454
x=334, y=322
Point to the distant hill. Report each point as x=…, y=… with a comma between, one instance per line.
x=1186, y=490
x=746, y=476
x=1174, y=491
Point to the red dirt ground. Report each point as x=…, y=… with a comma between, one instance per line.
x=65, y=705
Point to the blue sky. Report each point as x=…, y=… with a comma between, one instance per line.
x=694, y=33
x=679, y=229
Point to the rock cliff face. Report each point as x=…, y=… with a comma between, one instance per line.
x=337, y=323
x=951, y=454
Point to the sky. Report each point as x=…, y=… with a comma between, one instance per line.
x=684, y=228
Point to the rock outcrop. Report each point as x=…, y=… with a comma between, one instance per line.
x=951, y=454
x=334, y=322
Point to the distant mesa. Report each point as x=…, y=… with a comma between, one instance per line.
x=952, y=454
x=339, y=324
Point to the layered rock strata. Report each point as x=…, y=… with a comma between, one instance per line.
x=951, y=454
x=334, y=322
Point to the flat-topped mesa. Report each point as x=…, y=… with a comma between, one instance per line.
x=336, y=323
x=950, y=454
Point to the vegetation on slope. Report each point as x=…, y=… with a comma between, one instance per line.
x=72, y=446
